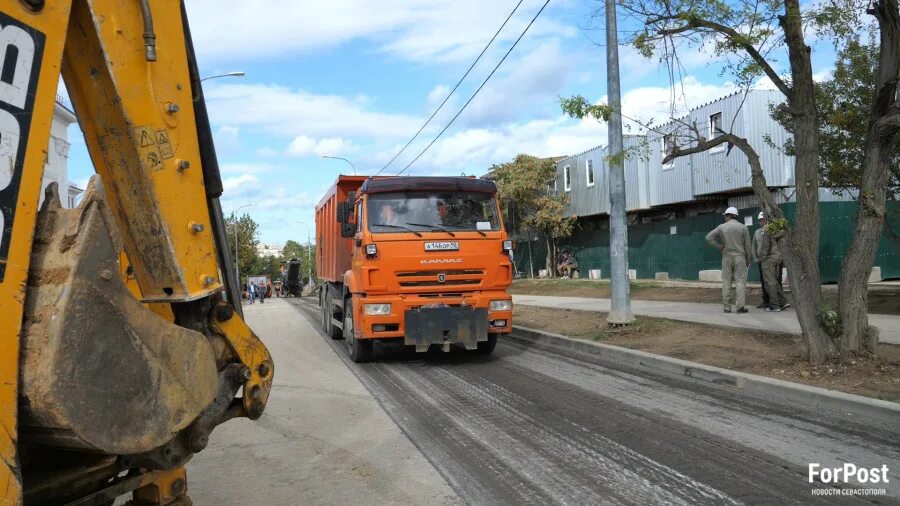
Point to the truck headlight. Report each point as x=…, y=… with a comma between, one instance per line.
x=377, y=309
x=371, y=250
x=501, y=305
x=507, y=245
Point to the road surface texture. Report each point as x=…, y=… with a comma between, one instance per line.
x=323, y=438
x=538, y=425
x=756, y=319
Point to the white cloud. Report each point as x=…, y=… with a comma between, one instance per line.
x=422, y=30
x=437, y=95
x=246, y=168
x=290, y=113
x=475, y=149
x=266, y=152
x=243, y=184
x=303, y=145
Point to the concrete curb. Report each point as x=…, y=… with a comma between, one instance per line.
x=815, y=397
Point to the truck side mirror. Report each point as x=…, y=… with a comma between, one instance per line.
x=343, y=212
x=348, y=230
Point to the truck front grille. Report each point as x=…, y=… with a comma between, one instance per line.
x=459, y=277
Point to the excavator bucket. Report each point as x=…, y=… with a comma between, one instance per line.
x=100, y=371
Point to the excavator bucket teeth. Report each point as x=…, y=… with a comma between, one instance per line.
x=99, y=370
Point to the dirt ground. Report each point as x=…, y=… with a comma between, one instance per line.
x=779, y=356
x=882, y=300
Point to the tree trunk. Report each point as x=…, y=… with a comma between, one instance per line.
x=551, y=258
x=881, y=139
x=802, y=261
x=801, y=247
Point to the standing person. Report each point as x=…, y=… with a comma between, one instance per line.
x=732, y=238
x=771, y=263
x=251, y=289
x=757, y=236
x=261, y=291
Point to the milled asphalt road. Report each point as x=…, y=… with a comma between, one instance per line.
x=711, y=314
x=537, y=425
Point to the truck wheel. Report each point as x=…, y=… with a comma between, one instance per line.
x=360, y=350
x=487, y=347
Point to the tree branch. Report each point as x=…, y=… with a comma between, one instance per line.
x=702, y=145
x=734, y=37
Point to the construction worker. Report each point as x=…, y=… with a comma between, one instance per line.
x=757, y=236
x=732, y=238
x=771, y=264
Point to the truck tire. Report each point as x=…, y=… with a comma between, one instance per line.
x=360, y=350
x=487, y=347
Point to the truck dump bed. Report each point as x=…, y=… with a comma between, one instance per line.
x=333, y=255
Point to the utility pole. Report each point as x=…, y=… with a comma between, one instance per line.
x=620, y=310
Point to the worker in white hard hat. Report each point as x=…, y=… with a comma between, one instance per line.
x=732, y=238
x=767, y=253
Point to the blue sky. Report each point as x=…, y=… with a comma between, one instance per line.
x=356, y=79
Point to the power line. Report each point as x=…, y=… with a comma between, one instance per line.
x=478, y=90
x=454, y=88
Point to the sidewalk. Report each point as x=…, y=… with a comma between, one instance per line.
x=711, y=314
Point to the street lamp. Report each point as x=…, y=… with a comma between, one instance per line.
x=344, y=159
x=239, y=73
x=237, y=254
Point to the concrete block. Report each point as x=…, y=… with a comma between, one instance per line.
x=632, y=274
x=714, y=275
x=875, y=276
x=595, y=274
x=662, y=276
x=543, y=273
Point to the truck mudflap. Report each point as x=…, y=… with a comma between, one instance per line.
x=445, y=325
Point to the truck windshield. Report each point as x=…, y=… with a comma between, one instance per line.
x=427, y=211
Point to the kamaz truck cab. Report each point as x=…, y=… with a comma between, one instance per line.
x=422, y=259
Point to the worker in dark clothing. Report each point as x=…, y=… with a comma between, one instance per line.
x=761, y=219
x=769, y=256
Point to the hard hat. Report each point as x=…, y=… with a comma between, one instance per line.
x=732, y=211
x=761, y=216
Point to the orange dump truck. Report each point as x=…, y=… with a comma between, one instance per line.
x=425, y=260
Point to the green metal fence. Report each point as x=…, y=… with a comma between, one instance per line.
x=679, y=246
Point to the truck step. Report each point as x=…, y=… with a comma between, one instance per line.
x=339, y=303
x=337, y=323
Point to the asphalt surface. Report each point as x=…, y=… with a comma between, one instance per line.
x=537, y=425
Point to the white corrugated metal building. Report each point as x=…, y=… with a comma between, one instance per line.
x=691, y=184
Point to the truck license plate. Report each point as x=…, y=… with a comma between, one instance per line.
x=442, y=246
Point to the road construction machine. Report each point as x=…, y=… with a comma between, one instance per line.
x=421, y=260
x=122, y=340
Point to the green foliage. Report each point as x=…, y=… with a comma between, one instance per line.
x=830, y=321
x=776, y=227
x=844, y=103
x=267, y=265
x=247, y=233
x=578, y=107
x=293, y=249
x=524, y=181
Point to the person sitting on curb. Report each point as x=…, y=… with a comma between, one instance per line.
x=771, y=264
x=732, y=238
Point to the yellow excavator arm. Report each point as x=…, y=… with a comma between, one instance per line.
x=108, y=387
